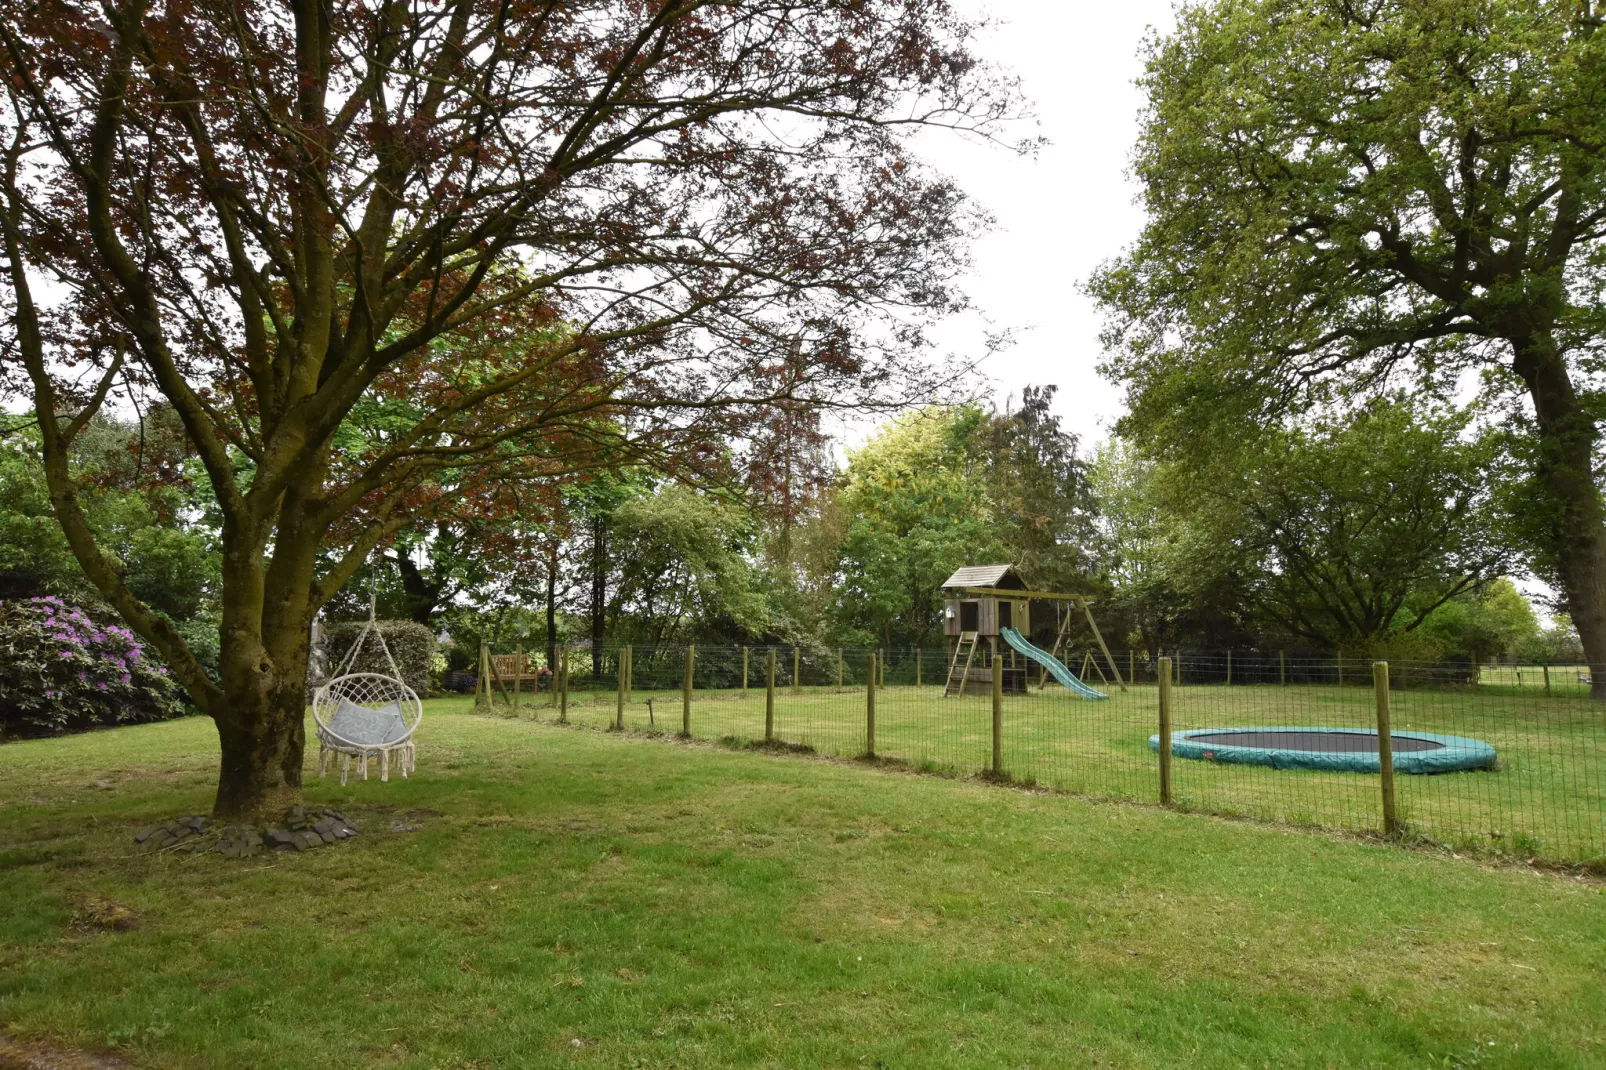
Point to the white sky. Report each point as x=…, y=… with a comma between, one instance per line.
x=1059, y=215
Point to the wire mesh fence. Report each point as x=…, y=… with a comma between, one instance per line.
x=1263, y=736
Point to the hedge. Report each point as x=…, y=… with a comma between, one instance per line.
x=411, y=644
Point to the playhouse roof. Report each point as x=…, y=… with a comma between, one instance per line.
x=986, y=576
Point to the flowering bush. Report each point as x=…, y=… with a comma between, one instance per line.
x=63, y=671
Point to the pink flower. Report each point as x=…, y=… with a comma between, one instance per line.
x=65, y=654
x=125, y=678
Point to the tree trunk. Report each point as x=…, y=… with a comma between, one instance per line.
x=1564, y=472
x=599, y=589
x=263, y=739
x=421, y=595
x=552, y=607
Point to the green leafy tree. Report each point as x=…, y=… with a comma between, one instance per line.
x=1340, y=193
x=1554, y=644
x=1483, y=625
x=915, y=509
x=1144, y=544
x=1335, y=532
x=684, y=568
x=138, y=497
x=1040, y=492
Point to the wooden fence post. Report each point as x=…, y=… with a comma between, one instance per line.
x=920, y=657
x=797, y=676
x=1547, y=681
x=1385, y=747
x=839, y=668
x=869, y=710
x=1130, y=675
x=1165, y=731
x=563, y=686
x=998, y=715
x=619, y=704
x=769, y=698
x=685, y=691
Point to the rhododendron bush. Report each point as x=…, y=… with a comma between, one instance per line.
x=61, y=670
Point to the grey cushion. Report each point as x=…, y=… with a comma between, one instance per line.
x=366, y=727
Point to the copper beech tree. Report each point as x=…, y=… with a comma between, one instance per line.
x=530, y=234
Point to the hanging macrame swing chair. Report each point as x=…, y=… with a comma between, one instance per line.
x=364, y=715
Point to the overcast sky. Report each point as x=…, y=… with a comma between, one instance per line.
x=1063, y=212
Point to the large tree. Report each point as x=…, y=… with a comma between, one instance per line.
x=560, y=229
x=1344, y=193
x=1341, y=532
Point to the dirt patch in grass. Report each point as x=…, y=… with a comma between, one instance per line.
x=37, y=1055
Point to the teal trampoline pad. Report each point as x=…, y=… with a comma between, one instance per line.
x=1332, y=749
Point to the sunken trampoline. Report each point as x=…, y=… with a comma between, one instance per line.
x=1330, y=749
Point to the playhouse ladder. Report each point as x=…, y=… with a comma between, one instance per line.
x=966, y=646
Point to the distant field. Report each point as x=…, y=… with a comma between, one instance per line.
x=545, y=897
x=1570, y=679
x=1548, y=799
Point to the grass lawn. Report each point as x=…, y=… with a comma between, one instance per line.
x=1547, y=800
x=576, y=898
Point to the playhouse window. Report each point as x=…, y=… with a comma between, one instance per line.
x=969, y=616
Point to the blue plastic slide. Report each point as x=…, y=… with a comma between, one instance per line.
x=1051, y=663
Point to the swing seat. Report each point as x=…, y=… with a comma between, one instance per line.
x=366, y=715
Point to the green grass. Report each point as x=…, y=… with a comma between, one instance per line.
x=579, y=898
x=1548, y=799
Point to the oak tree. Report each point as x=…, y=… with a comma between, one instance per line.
x=1346, y=195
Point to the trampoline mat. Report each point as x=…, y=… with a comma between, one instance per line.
x=1325, y=742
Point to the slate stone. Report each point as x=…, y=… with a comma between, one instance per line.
x=144, y=834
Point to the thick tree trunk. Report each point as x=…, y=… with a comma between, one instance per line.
x=1565, y=474
x=263, y=739
x=421, y=594
x=263, y=753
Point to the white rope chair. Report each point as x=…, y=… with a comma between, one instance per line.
x=362, y=715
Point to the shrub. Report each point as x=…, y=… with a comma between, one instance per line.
x=201, y=634
x=411, y=644
x=63, y=671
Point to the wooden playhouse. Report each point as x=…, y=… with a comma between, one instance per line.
x=983, y=600
x=971, y=620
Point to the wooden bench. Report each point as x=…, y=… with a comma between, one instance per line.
x=507, y=668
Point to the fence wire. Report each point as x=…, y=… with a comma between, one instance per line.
x=1544, y=797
